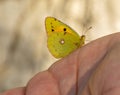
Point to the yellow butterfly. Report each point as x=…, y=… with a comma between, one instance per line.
x=62, y=39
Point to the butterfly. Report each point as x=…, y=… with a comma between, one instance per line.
x=61, y=39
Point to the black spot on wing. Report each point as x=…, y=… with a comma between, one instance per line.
x=52, y=27
x=52, y=30
x=65, y=31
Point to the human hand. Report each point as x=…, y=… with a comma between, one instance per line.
x=93, y=69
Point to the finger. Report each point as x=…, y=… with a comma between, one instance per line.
x=106, y=77
x=85, y=60
x=16, y=91
x=42, y=84
x=91, y=55
x=63, y=74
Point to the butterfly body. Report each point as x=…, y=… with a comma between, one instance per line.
x=62, y=39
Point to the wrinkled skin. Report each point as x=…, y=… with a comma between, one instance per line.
x=93, y=69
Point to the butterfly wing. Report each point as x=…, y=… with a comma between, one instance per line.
x=62, y=39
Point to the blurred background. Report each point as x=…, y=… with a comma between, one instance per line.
x=23, y=50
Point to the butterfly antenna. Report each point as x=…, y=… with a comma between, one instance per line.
x=83, y=29
x=87, y=30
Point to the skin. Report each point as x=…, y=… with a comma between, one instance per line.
x=93, y=69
